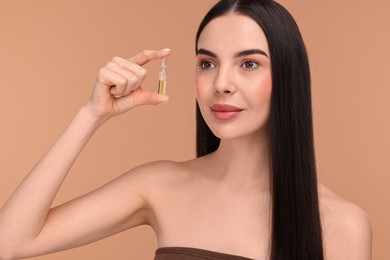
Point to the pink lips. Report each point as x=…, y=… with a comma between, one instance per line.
x=224, y=111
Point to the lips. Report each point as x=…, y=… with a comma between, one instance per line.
x=225, y=111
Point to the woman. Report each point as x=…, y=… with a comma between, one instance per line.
x=251, y=193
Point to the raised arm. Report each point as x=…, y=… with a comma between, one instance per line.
x=28, y=225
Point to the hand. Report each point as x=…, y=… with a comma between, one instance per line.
x=118, y=85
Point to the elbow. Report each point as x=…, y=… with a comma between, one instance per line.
x=6, y=254
x=11, y=251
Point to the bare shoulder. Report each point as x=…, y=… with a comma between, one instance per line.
x=162, y=171
x=346, y=227
x=159, y=177
x=159, y=171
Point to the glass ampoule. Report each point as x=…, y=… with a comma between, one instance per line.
x=162, y=79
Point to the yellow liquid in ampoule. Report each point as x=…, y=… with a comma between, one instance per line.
x=162, y=84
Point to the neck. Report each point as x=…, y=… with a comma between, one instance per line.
x=243, y=160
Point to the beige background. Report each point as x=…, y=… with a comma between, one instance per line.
x=50, y=52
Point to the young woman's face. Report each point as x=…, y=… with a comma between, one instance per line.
x=233, y=80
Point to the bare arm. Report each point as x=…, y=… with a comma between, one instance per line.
x=347, y=229
x=357, y=235
x=28, y=226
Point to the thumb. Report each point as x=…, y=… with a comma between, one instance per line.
x=149, y=98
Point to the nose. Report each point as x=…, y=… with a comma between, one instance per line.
x=223, y=83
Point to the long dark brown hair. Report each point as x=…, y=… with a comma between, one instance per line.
x=296, y=226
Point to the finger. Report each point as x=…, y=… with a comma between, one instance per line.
x=138, y=98
x=134, y=68
x=148, y=55
x=109, y=79
x=113, y=82
x=150, y=98
x=132, y=82
x=133, y=72
x=141, y=97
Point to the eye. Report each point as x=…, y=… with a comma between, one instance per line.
x=206, y=65
x=250, y=65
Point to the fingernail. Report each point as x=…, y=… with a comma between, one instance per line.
x=166, y=49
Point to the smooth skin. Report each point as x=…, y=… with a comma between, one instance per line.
x=218, y=202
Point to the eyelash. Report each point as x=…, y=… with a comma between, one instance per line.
x=250, y=61
x=202, y=63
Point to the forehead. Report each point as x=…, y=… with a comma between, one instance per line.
x=232, y=33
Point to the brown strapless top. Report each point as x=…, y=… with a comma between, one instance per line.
x=187, y=253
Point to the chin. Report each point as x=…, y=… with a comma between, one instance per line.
x=239, y=130
x=230, y=134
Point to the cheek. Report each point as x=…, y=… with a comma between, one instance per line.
x=262, y=91
x=259, y=100
x=200, y=88
x=267, y=90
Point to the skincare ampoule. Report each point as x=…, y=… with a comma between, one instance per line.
x=162, y=79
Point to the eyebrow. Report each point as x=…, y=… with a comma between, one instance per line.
x=239, y=54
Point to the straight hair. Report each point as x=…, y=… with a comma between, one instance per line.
x=296, y=232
